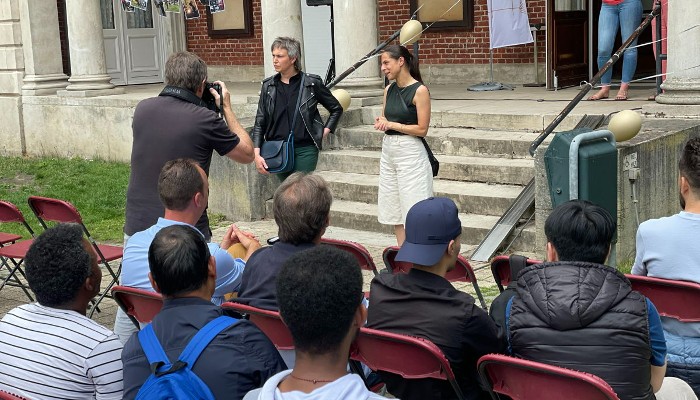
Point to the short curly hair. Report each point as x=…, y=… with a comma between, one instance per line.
x=318, y=292
x=57, y=264
x=689, y=163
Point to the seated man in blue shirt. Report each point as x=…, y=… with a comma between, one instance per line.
x=667, y=248
x=239, y=359
x=184, y=191
x=577, y=313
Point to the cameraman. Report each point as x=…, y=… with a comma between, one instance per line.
x=177, y=124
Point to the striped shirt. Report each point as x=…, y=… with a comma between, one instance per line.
x=47, y=353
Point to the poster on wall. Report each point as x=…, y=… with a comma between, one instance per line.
x=160, y=7
x=191, y=10
x=140, y=4
x=173, y=6
x=216, y=6
x=126, y=6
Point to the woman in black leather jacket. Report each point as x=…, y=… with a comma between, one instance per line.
x=280, y=99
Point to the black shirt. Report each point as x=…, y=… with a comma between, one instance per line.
x=258, y=284
x=426, y=305
x=285, y=109
x=166, y=128
x=241, y=358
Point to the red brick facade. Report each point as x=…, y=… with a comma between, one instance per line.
x=444, y=46
x=238, y=51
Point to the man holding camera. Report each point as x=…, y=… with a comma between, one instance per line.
x=179, y=124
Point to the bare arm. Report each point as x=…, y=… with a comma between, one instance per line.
x=657, y=377
x=422, y=103
x=243, y=152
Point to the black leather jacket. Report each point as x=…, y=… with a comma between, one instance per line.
x=313, y=93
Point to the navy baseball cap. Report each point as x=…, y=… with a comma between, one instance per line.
x=430, y=226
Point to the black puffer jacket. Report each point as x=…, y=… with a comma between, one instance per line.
x=313, y=93
x=586, y=317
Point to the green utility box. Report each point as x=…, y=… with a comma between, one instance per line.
x=597, y=168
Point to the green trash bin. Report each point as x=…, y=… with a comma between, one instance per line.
x=592, y=178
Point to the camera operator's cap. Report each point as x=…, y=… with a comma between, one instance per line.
x=430, y=226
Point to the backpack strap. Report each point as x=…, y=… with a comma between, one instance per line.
x=202, y=339
x=151, y=347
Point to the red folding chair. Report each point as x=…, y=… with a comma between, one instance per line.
x=139, y=304
x=269, y=322
x=527, y=380
x=407, y=356
x=462, y=271
x=357, y=250
x=675, y=299
x=9, y=396
x=500, y=269
x=12, y=250
x=54, y=210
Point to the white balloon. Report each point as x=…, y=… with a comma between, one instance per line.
x=410, y=32
x=343, y=98
x=625, y=125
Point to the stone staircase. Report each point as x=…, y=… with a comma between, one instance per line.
x=482, y=169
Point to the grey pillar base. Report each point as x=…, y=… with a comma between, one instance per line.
x=42, y=85
x=680, y=91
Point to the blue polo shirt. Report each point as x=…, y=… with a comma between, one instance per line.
x=135, y=262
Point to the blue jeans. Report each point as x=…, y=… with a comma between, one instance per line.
x=627, y=16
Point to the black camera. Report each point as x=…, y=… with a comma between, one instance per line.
x=209, y=99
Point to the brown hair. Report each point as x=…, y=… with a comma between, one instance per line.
x=185, y=70
x=178, y=182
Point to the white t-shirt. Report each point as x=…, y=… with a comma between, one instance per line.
x=348, y=387
x=49, y=353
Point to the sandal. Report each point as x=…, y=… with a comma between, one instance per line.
x=599, y=96
x=622, y=93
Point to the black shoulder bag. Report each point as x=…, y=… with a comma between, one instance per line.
x=434, y=163
x=279, y=154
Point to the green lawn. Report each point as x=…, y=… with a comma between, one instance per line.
x=96, y=188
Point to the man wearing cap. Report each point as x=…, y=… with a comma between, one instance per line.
x=423, y=303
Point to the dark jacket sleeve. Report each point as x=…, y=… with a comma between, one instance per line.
x=330, y=103
x=261, y=118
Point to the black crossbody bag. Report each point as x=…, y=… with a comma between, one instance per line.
x=434, y=163
x=279, y=154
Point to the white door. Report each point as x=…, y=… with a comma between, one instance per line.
x=134, y=44
x=317, y=38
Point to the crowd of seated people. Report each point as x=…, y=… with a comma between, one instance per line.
x=571, y=311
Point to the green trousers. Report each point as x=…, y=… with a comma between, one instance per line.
x=305, y=160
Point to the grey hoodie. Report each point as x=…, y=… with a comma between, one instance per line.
x=348, y=387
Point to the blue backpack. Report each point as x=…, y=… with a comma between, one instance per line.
x=177, y=381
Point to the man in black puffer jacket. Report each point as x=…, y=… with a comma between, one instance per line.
x=577, y=313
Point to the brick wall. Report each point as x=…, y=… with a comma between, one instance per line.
x=444, y=46
x=238, y=51
x=460, y=45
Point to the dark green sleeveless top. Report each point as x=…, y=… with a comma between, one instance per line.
x=395, y=112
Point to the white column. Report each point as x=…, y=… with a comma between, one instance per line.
x=87, y=53
x=42, y=48
x=280, y=18
x=682, y=85
x=356, y=34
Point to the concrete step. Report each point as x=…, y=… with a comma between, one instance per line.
x=473, y=197
x=500, y=119
x=448, y=141
x=458, y=168
x=363, y=216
